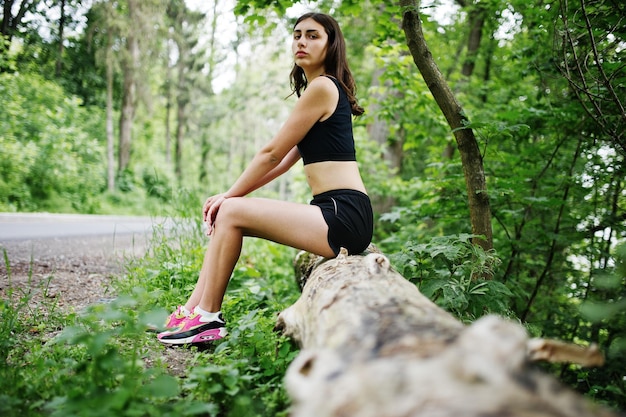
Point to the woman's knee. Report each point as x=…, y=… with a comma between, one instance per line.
x=230, y=212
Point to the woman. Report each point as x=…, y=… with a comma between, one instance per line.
x=319, y=130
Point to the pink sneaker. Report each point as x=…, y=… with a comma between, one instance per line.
x=175, y=318
x=172, y=322
x=195, y=329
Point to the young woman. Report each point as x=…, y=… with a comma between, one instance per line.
x=319, y=130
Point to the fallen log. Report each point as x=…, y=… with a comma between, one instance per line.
x=373, y=345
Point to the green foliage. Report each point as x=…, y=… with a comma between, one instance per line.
x=7, y=58
x=241, y=375
x=105, y=371
x=452, y=271
x=605, y=312
x=103, y=363
x=244, y=375
x=247, y=7
x=555, y=187
x=50, y=147
x=555, y=175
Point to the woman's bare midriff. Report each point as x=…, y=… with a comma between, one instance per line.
x=333, y=175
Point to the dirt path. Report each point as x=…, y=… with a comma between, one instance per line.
x=75, y=272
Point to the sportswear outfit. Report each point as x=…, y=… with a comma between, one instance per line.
x=348, y=214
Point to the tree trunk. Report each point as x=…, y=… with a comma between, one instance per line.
x=373, y=345
x=391, y=151
x=59, y=63
x=109, y=114
x=129, y=65
x=10, y=24
x=168, y=105
x=183, y=94
x=471, y=159
x=205, y=144
x=476, y=22
x=181, y=122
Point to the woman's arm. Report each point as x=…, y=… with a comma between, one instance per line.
x=318, y=100
x=212, y=204
x=287, y=162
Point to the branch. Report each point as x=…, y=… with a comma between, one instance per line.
x=598, y=62
x=555, y=351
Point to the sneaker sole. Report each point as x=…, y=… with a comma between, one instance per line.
x=204, y=337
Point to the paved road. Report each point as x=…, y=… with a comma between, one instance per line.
x=71, y=256
x=57, y=239
x=36, y=226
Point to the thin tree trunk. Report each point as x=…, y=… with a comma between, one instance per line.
x=109, y=114
x=378, y=131
x=471, y=159
x=129, y=92
x=7, y=15
x=126, y=120
x=10, y=23
x=181, y=121
x=491, y=47
x=168, y=107
x=476, y=23
x=59, y=63
x=205, y=144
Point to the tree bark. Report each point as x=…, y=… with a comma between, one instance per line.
x=205, y=142
x=476, y=21
x=59, y=63
x=130, y=63
x=379, y=131
x=373, y=345
x=181, y=124
x=471, y=158
x=168, y=105
x=109, y=114
x=11, y=23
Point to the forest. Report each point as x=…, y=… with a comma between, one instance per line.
x=492, y=145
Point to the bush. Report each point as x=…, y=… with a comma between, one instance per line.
x=450, y=270
x=49, y=146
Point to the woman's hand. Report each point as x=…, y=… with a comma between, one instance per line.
x=210, y=209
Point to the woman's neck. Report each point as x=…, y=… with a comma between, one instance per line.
x=310, y=75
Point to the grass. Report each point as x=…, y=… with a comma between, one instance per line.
x=101, y=361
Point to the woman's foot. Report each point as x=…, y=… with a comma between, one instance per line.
x=173, y=320
x=195, y=328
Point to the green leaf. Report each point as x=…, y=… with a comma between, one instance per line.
x=163, y=386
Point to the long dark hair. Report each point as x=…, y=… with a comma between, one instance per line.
x=335, y=64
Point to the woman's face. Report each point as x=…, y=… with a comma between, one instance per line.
x=309, y=45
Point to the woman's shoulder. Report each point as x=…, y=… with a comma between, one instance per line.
x=322, y=86
x=324, y=81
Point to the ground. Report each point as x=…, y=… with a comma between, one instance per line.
x=72, y=273
x=75, y=272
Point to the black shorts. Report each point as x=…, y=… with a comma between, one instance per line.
x=350, y=220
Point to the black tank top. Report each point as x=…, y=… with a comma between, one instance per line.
x=332, y=139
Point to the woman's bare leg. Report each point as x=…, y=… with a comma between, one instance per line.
x=196, y=295
x=297, y=225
